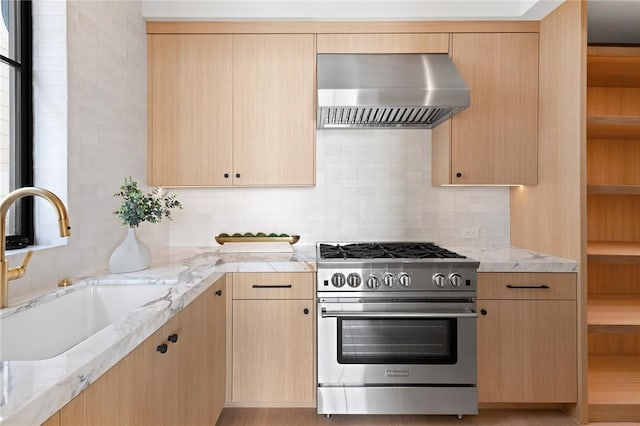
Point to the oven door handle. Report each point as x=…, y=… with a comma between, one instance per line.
x=348, y=314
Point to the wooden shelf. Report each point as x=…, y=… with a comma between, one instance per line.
x=614, y=388
x=613, y=70
x=613, y=314
x=613, y=251
x=613, y=127
x=614, y=189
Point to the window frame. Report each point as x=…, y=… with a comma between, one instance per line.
x=21, y=170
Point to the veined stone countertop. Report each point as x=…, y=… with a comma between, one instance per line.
x=515, y=259
x=32, y=391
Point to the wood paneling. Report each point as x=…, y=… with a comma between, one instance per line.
x=441, y=154
x=494, y=140
x=189, y=102
x=383, y=43
x=613, y=217
x=625, y=154
x=613, y=101
x=274, y=109
x=609, y=278
x=253, y=27
x=614, y=343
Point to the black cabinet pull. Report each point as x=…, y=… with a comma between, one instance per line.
x=238, y=175
x=271, y=286
x=162, y=348
x=541, y=286
x=483, y=311
x=173, y=338
x=459, y=174
x=218, y=292
x=306, y=311
x=226, y=175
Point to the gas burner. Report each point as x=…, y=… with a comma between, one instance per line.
x=408, y=250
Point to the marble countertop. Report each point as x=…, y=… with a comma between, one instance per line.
x=32, y=391
x=515, y=259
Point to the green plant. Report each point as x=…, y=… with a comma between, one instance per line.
x=137, y=207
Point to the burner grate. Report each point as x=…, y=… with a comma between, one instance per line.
x=411, y=250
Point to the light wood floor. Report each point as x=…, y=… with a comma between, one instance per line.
x=308, y=417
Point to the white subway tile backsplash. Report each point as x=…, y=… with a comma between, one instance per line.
x=370, y=184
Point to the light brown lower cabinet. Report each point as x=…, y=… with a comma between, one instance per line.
x=273, y=339
x=527, y=338
x=182, y=385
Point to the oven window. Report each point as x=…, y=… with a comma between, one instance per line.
x=397, y=341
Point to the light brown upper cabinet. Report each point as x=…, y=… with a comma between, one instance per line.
x=231, y=109
x=383, y=43
x=189, y=109
x=273, y=109
x=494, y=141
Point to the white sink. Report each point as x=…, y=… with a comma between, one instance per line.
x=47, y=330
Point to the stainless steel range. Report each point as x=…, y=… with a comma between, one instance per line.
x=396, y=329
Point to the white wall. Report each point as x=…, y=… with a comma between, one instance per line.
x=105, y=122
x=371, y=184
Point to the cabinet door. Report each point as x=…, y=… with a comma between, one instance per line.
x=273, y=351
x=527, y=351
x=189, y=109
x=273, y=109
x=494, y=141
x=130, y=393
x=200, y=358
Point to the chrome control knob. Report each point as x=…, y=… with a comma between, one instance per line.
x=338, y=280
x=455, y=279
x=439, y=279
x=404, y=279
x=354, y=280
x=389, y=279
x=373, y=281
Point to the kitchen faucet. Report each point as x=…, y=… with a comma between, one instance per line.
x=7, y=274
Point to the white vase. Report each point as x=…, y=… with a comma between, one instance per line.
x=131, y=255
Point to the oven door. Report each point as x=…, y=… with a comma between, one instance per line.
x=396, y=342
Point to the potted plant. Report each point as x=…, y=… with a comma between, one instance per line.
x=137, y=207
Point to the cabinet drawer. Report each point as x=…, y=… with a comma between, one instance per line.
x=537, y=285
x=273, y=285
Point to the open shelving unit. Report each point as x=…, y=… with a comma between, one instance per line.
x=613, y=232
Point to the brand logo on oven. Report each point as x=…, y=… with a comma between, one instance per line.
x=396, y=373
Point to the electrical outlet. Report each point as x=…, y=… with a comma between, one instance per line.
x=471, y=233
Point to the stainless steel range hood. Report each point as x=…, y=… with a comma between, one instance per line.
x=388, y=91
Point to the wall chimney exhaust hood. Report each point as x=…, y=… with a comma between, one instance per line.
x=388, y=91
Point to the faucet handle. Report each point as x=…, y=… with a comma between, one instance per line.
x=18, y=272
x=26, y=260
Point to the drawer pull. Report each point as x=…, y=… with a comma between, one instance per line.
x=541, y=286
x=271, y=286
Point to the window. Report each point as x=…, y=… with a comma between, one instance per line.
x=16, y=112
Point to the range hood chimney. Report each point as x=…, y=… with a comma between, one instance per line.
x=388, y=91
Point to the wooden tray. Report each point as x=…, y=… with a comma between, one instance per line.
x=292, y=239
